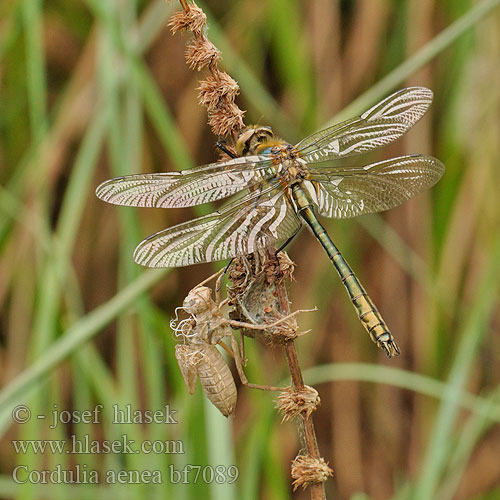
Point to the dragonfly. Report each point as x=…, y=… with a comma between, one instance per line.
x=280, y=187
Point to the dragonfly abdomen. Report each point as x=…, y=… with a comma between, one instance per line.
x=216, y=379
x=367, y=312
x=370, y=317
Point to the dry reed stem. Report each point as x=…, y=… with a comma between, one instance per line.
x=259, y=295
x=217, y=92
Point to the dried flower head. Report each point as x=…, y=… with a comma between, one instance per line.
x=292, y=403
x=219, y=90
x=201, y=53
x=307, y=470
x=193, y=20
x=216, y=88
x=225, y=119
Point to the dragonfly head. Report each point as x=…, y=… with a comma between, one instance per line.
x=255, y=139
x=198, y=300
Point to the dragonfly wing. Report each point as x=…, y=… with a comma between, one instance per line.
x=189, y=187
x=380, y=125
x=348, y=192
x=260, y=219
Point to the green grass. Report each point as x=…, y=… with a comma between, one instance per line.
x=98, y=89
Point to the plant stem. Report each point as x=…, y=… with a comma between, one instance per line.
x=317, y=490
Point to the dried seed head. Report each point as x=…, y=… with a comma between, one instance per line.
x=193, y=20
x=291, y=402
x=307, y=470
x=201, y=53
x=219, y=91
x=225, y=119
x=217, y=87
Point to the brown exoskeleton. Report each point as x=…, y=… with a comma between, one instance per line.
x=198, y=356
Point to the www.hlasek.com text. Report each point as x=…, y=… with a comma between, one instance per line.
x=83, y=444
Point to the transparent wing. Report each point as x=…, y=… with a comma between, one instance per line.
x=380, y=125
x=260, y=219
x=348, y=192
x=189, y=187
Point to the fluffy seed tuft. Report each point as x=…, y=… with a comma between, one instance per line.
x=225, y=119
x=307, y=470
x=292, y=403
x=201, y=53
x=216, y=88
x=193, y=20
x=218, y=91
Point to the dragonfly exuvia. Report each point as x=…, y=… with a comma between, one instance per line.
x=280, y=187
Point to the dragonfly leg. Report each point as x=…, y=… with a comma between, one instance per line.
x=220, y=280
x=288, y=241
x=226, y=348
x=251, y=326
x=241, y=372
x=210, y=278
x=221, y=145
x=282, y=247
x=242, y=350
x=218, y=286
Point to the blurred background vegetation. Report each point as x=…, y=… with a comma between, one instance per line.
x=92, y=89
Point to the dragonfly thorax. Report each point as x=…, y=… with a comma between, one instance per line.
x=290, y=168
x=254, y=140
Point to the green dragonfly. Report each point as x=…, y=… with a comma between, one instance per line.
x=280, y=186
